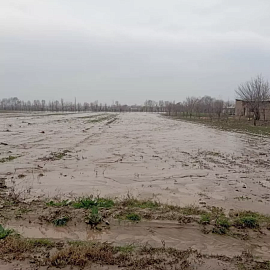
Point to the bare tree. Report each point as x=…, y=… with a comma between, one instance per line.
x=254, y=92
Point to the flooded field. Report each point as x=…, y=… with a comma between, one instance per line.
x=136, y=155
x=142, y=154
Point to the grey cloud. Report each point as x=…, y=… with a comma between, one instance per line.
x=131, y=50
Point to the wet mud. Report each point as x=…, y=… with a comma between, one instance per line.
x=143, y=154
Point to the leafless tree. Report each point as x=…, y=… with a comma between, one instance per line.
x=254, y=92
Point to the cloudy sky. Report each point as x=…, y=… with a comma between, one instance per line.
x=131, y=50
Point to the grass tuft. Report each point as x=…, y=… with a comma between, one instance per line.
x=133, y=217
x=59, y=204
x=90, y=202
x=247, y=222
x=6, y=159
x=61, y=221
x=205, y=219
x=94, y=218
x=4, y=232
x=131, y=202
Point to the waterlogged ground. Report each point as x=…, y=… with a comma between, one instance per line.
x=140, y=155
x=143, y=154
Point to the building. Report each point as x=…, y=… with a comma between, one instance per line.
x=229, y=110
x=244, y=108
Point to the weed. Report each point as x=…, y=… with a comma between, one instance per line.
x=131, y=202
x=219, y=230
x=247, y=222
x=205, y=219
x=41, y=243
x=125, y=249
x=133, y=217
x=90, y=202
x=6, y=159
x=58, y=204
x=56, y=155
x=61, y=221
x=193, y=210
x=94, y=218
x=223, y=222
x=4, y=232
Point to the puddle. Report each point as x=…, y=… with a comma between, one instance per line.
x=154, y=233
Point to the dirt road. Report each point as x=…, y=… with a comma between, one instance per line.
x=144, y=154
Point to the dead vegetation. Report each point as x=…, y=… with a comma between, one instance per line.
x=95, y=210
x=43, y=252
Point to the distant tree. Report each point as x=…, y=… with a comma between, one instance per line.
x=218, y=106
x=255, y=92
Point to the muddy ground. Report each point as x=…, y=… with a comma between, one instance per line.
x=53, y=156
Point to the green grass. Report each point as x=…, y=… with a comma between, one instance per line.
x=90, y=202
x=133, y=217
x=205, y=219
x=247, y=222
x=223, y=222
x=94, y=218
x=60, y=155
x=59, y=204
x=41, y=243
x=249, y=219
x=233, y=124
x=61, y=221
x=6, y=159
x=191, y=210
x=219, y=230
x=103, y=118
x=4, y=232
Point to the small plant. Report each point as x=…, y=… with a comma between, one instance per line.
x=205, y=219
x=6, y=159
x=41, y=243
x=61, y=221
x=4, y=232
x=90, y=202
x=247, y=222
x=219, y=230
x=125, y=249
x=94, y=218
x=223, y=222
x=193, y=210
x=133, y=217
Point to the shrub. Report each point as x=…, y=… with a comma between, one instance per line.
x=133, y=217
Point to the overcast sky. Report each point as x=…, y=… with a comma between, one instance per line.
x=131, y=50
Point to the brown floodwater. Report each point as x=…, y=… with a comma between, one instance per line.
x=153, y=233
x=142, y=154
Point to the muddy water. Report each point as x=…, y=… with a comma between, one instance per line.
x=153, y=233
x=142, y=154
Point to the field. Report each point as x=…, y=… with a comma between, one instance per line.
x=131, y=191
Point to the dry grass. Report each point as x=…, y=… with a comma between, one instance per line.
x=84, y=254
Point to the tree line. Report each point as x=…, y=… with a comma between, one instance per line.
x=255, y=93
x=191, y=106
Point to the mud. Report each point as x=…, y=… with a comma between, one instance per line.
x=143, y=154
x=154, y=233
